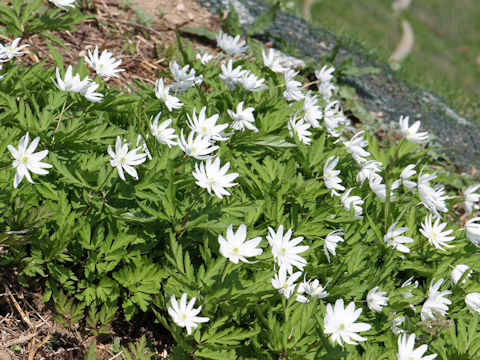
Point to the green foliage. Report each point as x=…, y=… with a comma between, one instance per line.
x=25, y=18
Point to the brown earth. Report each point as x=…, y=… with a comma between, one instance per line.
x=27, y=326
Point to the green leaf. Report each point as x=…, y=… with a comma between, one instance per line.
x=231, y=24
x=264, y=20
x=200, y=31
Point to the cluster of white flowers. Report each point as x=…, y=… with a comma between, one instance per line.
x=104, y=65
x=201, y=143
x=70, y=83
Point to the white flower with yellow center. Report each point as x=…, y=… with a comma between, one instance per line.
x=162, y=132
x=184, y=315
x=411, y=133
x=340, y=322
x=26, y=160
x=235, y=248
x=406, y=349
x=285, y=285
x=285, y=251
x=214, y=178
x=9, y=51
x=104, y=65
x=207, y=127
x=162, y=93
x=123, y=159
x=434, y=233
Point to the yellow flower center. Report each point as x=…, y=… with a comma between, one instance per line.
x=283, y=250
x=342, y=326
x=25, y=159
x=235, y=250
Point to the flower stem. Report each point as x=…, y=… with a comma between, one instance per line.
x=96, y=191
x=60, y=116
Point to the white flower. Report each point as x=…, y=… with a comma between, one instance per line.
x=356, y=146
x=315, y=289
x=231, y=76
x=143, y=146
x=472, y=300
x=330, y=175
x=340, y=322
x=326, y=90
x=185, y=315
x=325, y=74
x=393, y=238
x=272, y=62
x=63, y=4
x=408, y=282
x=243, y=118
x=435, y=302
x=333, y=117
x=2, y=76
x=376, y=299
x=285, y=285
x=104, y=65
x=425, y=178
x=396, y=322
x=458, y=272
x=471, y=199
x=88, y=91
x=331, y=242
x=204, y=58
x=371, y=167
x=293, y=90
x=325, y=86
x=472, y=230
x=285, y=251
x=231, y=45
x=375, y=182
x=406, y=174
x=9, y=51
x=411, y=133
x=162, y=132
x=301, y=290
x=199, y=147
x=26, y=160
x=406, y=349
x=311, y=111
x=354, y=202
x=235, y=248
x=206, y=127
x=251, y=83
x=433, y=198
x=300, y=128
x=184, y=79
x=434, y=233
x=70, y=83
x=123, y=159
x=162, y=93
x=213, y=177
